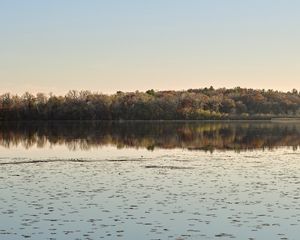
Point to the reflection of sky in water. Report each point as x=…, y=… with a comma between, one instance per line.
x=63, y=152
x=140, y=194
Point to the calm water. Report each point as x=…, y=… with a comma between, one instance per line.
x=136, y=180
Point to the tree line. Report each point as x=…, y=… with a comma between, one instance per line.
x=193, y=104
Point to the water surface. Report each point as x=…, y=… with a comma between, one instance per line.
x=135, y=180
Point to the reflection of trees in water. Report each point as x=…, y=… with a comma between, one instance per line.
x=150, y=135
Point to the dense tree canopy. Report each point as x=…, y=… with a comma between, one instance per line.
x=193, y=104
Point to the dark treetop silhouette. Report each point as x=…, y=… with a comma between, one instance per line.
x=193, y=104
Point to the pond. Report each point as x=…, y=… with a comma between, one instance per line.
x=149, y=180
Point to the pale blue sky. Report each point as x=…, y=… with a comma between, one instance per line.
x=57, y=45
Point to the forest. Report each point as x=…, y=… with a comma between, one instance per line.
x=193, y=104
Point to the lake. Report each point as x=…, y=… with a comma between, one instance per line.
x=149, y=180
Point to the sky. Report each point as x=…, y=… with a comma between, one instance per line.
x=117, y=45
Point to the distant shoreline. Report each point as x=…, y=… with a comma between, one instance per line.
x=285, y=120
x=274, y=120
x=203, y=104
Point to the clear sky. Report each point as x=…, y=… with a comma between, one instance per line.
x=105, y=46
